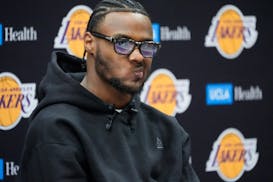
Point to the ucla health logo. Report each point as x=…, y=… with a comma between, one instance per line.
x=17, y=100
x=219, y=94
x=71, y=33
x=10, y=34
x=232, y=155
x=166, y=93
x=8, y=169
x=230, y=32
x=164, y=33
x=227, y=93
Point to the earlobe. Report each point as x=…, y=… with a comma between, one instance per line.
x=89, y=43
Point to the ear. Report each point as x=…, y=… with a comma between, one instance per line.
x=89, y=43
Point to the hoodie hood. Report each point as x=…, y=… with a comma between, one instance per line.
x=61, y=84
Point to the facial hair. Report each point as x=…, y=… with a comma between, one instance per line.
x=102, y=68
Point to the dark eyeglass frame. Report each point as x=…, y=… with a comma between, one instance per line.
x=137, y=44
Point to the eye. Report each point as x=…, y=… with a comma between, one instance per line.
x=124, y=42
x=149, y=49
x=124, y=45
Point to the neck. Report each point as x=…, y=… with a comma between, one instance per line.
x=106, y=92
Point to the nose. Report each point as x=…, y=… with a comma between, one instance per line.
x=136, y=55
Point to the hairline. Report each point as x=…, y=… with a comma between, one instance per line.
x=101, y=20
x=111, y=10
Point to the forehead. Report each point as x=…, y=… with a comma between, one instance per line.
x=132, y=24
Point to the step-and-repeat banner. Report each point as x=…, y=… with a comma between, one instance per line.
x=214, y=73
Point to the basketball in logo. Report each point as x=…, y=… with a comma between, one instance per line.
x=232, y=154
x=231, y=32
x=71, y=33
x=166, y=93
x=16, y=100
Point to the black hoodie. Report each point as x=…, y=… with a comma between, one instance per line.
x=75, y=137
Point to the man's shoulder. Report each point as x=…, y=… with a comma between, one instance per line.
x=52, y=124
x=163, y=122
x=53, y=111
x=159, y=118
x=54, y=115
x=150, y=111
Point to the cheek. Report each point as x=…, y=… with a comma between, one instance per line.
x=112, y=64
x=118, y=66
x=121, y=69
x=148, y=63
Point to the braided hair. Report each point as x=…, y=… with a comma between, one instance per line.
x=107, y=6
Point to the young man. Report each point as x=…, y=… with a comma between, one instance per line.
x=91, y=126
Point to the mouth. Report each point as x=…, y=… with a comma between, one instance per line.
x=139, y=73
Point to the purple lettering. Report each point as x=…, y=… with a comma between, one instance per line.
x=9, y=99
x=232, y=155
x=242, y=155
x=214, y=33
x=216, y=155
x=159, y=97
x=27, y=103
x=76, y=34
x=225, y=156
x=227, y=32
x=19, y=100
x=64, y=35
x=2, y=102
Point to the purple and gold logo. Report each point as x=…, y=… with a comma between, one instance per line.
x=70, y=36
x=17, y=100
x=166, y=93
x=232, y=155
x=230, y=32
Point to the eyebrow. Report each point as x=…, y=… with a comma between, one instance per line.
x=120, y=35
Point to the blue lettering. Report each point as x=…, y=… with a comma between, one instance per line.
x=219, y=94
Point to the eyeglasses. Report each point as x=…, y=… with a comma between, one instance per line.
x=126, y=46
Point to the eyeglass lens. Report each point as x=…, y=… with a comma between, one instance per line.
x=126, y=46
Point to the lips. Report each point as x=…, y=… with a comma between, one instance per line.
x=139, y=74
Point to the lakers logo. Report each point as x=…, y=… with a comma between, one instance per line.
x=16, y=100
x=231, y=32
x=167, y=94
x=70, y=36
x=232, y=154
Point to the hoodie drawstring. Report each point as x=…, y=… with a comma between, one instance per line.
x=109, y=122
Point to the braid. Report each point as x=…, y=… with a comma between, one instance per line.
x=107, y=6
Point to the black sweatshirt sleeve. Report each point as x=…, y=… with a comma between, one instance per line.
x=53, y=163
x=188, y=172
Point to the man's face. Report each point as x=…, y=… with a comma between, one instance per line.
x=126, y=73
